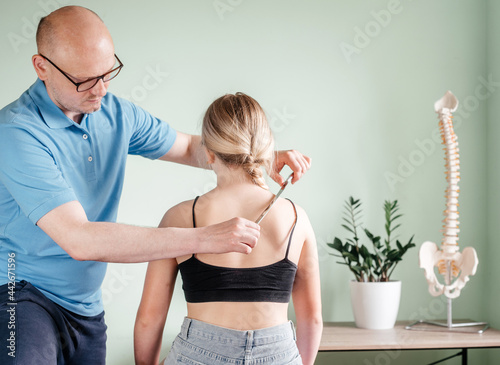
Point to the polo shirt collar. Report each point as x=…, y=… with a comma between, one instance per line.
x=52, y=115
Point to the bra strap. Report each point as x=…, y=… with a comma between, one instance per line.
x=194, y=203
x=293, y=228
x=194, y=219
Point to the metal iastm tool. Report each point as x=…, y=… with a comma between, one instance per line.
x=261, y=217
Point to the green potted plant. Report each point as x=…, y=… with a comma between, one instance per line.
x=374, y=297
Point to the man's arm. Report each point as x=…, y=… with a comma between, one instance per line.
x=187, y=150
x=69, y=227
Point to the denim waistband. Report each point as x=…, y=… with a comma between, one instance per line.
x=202, y=330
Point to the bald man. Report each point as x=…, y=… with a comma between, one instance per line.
x=63, y=148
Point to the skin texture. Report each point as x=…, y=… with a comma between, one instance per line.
x=216, y=206
x=78, y=42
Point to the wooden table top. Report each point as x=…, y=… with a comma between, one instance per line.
x=345, y=336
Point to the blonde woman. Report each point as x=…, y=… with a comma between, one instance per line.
x=237, y=304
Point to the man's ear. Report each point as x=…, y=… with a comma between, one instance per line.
x=40, y=65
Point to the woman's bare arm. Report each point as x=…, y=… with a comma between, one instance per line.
x=157, y=296
x=307, y=297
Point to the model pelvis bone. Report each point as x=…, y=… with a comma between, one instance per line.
x=464, y=263
x=456, y=267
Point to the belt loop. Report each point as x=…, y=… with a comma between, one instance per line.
x=185, y=328
x=293, y=331
x=249, y=346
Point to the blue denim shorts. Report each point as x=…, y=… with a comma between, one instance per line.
x=202, y=343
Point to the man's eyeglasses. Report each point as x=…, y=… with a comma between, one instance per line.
x=90, y=83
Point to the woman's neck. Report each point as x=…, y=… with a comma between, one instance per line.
x=232, y=177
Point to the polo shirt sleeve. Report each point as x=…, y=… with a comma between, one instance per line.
x=151, y=137
x=30, y=174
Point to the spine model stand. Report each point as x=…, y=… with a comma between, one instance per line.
x=455, y=267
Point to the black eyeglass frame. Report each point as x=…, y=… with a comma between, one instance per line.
x=78, y=84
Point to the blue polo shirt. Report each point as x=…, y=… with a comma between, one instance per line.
x=47, y=160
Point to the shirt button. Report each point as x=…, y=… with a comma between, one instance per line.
x=90, y=158
x=85, y=136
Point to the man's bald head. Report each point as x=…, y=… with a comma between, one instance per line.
x=72, y=31
x=75, y=39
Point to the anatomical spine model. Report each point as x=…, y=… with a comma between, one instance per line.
x=456, y=267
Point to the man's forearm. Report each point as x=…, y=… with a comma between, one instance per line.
x=114, y=242
x=68, y=226
x=187, y=150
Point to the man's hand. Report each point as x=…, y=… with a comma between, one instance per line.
x=234, y=235
x=298, y=162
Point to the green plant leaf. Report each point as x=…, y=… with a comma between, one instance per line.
x=348, y=228
x=363, y=251
x=349, y=256
x=357, y=268
x=351, y=241
x=395, y=227
x=358, y=212
x=337, y=244
x=396, y=217
x=334, y=254
x=346, y=220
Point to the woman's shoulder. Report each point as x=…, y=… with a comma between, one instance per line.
x=288, y=209
x=179, y=215
x=291, y=206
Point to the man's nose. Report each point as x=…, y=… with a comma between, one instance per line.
x=100, y=89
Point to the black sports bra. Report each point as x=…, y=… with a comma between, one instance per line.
x=208, y=283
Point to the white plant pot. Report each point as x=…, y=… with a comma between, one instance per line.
x=375, y=305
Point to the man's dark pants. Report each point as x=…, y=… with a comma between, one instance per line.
x=35, y=330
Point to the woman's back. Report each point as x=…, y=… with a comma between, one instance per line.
x=256, y=293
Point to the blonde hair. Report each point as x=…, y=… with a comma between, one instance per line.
x=235, y=129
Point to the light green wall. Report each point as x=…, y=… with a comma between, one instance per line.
x=364, y=115
x=491, y=287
